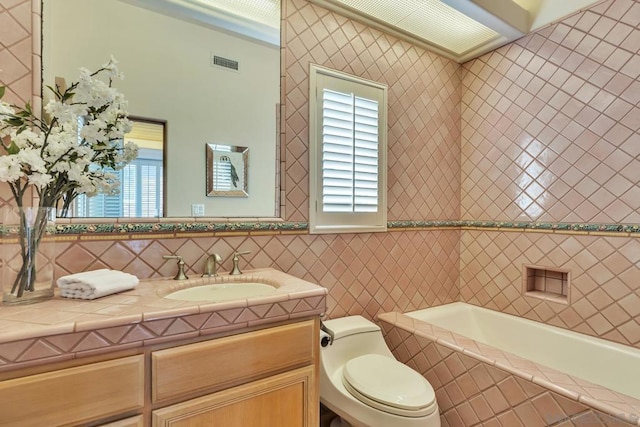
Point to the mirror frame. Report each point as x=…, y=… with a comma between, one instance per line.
x=71, y=226
x=212, y=165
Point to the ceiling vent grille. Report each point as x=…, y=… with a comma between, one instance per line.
x=225, y=63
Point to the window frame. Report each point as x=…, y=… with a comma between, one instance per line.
x=343, y=222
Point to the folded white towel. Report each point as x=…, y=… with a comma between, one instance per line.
x=96, y=283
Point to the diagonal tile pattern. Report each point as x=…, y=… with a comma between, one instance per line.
x=485, y=386
x=16, y=50
x=365, y=273
x=61, y=328
x=604, y=291
x=19, y=59
x=423, y=114
x=549, y=131
x=20, y=353
x=551, y=123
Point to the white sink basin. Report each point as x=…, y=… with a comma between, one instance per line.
x=219, y=292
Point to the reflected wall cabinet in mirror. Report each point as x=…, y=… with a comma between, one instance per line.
x=183, y=65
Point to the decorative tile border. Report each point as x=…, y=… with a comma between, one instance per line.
x=521, y=226
x=620, y=230
x=143, y=230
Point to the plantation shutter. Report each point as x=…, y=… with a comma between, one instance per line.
x=348, y=153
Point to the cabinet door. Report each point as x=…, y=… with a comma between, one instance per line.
x=285, y=400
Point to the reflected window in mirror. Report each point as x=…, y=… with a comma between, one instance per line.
x=141, y=187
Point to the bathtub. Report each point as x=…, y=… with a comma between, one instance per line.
x=601, y=375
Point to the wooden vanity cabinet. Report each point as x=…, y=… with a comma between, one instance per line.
x=265, y=377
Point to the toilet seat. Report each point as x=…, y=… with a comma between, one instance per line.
x=388, y=385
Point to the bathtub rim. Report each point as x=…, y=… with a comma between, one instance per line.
x=628, y=411
x=561, y=331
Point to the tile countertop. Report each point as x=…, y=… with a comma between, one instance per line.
x=64, y=328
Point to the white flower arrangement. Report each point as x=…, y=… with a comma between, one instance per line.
x=66, y=153
x=69, y=151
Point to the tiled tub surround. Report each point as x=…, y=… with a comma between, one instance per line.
x=477, y=384
x=64, y=329
x=551, y=133
x=604, y=294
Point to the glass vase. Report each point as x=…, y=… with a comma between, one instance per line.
x=28, y=254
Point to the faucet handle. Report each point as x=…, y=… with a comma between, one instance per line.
x=180, y=274
x=236, y=269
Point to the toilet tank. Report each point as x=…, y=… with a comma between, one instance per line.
x=353, y=336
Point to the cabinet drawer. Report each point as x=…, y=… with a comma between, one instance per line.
x=232, y=360
x=74, y=395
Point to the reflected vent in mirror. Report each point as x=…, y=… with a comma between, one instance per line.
x=225, y=63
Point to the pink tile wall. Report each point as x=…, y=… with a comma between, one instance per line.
x=424, y=118
x=551, y=123
x=15, y=50
x=551, y=133
x=19, y=58
x=548, y=131
x=604, y=294
x=367, y=273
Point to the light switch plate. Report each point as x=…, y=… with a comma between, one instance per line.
x=197, y=210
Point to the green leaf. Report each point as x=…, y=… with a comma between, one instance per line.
x=13, y=148
x=1, y=91
x=67, y=95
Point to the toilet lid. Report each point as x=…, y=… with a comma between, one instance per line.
x=388, y=385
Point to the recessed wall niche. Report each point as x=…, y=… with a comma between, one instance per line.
x=546, y=283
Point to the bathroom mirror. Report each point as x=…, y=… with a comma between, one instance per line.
x=185, y=64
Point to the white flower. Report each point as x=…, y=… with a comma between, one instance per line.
x=56, y=154
x=129, y=154
x=31, y=157
x=28, y=138
x=40, y=179
x=10, y=169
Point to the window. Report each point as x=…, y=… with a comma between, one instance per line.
x=140, y=192
x=348, y=149
x=141, y=181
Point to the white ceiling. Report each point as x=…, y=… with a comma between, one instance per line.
x=457, y=29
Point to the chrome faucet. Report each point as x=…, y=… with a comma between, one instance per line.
x=211, y=265
x=180, y=274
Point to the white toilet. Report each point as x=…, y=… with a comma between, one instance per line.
x=365, y=385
